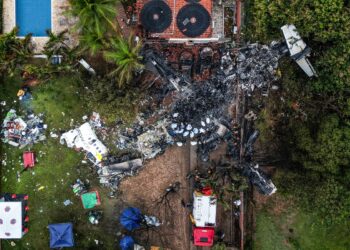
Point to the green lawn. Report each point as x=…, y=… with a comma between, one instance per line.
x=57, y=168
x=295, y=229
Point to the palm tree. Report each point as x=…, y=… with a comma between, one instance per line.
x=14, y=51
x=95, y=15
x=92, y=42
x=125, y=54
x=56, y=45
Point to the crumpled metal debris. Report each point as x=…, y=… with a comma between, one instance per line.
x=23, y=131
x=256, y=66
x=258, y=179
x=151, y=221
x=114, y=169
x=95, y=120
x=199, y=112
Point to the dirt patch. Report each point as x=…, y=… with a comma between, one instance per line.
x=275, y=203
x=145, y=189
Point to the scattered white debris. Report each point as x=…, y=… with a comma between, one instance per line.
x=67, y=202
x=53, y=135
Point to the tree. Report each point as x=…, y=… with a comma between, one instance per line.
x=334, y=67
x=57, y=45
x=14, y=51
x=323, y=21
x=332, y=201
x=92, y=42
x=324, y=147
x=125, y=55
x=95, y=16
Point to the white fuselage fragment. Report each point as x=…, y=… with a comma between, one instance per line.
x=298, y=49
x=85, y=138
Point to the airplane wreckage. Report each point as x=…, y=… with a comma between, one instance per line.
x=179, y=110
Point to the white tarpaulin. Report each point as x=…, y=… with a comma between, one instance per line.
x=11, y=220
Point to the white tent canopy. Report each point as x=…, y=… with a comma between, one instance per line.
x=11, y=220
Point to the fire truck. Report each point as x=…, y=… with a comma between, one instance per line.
x=204, y=218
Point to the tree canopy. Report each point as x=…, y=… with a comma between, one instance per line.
x=125, y=54
x=314, y=113
x=325, y=25
x=324, y=147
x=14, y=51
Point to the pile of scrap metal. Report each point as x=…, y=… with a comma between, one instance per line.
x=155, y=63
x=199, y=112
x=258, y=179
x=18, y=131
x=149, y=140
x=257, y=65
x=114, y=169
x=251, y=169
x=109, y=168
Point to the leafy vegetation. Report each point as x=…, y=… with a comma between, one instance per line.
x=1, y=16
x=323, y=147
x=295, y=229
x=14, y=52
x=125, y=54
x=326, y=197
x=100, y=32
x=310, y=117
x=268, y=236
x=95, y=16
x=95, y=20
x=101, y=95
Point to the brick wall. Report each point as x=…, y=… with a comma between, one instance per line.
x=175, y=6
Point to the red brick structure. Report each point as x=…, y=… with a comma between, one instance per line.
x=173, y=32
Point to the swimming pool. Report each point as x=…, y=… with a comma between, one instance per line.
x=33, y=16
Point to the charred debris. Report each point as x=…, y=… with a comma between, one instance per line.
x=179, y=110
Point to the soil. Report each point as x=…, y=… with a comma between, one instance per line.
x=145, y=189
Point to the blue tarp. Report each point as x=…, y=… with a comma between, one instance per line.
x=127, y=243
x=61, y=235
x=131, y=218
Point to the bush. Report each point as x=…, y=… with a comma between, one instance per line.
x=324, y=147
x=102, y=96
x=325, y=195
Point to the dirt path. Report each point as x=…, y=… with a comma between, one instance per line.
x=145, y=189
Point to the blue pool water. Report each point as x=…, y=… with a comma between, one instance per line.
x=33, y=16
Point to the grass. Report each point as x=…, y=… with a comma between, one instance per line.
x=268, y=236
x=60, y=102
x=296, y=229
x=57, y=168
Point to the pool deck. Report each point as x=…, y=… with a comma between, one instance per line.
x=59, y=22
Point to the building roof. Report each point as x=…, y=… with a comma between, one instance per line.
x=176, y=19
